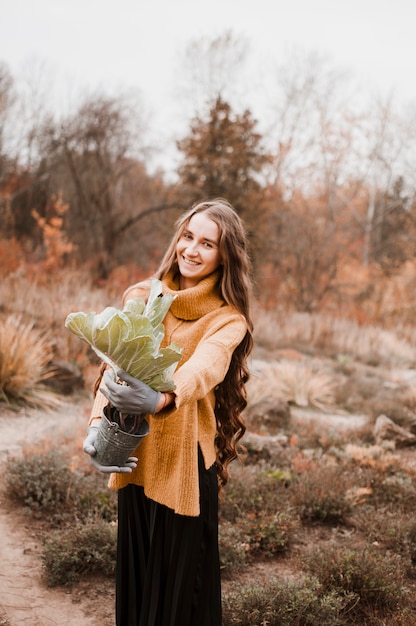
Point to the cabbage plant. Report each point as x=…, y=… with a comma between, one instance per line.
x=130, y=338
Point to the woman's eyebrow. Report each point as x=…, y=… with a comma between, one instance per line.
x=189, y=232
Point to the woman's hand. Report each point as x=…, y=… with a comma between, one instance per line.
x=89, y=448
x=133, y=398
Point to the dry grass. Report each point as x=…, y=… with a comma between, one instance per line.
x=373, y=456
x=47, y=301
x=297, y=382
x=333, y=335
x=24, y=363
x=50, y=298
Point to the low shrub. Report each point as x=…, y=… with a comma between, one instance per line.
x=396, y=491
x=302, y=603
x=261, y=535
x=381, y=527
x=253, y=516
x=79, y=550
x=234, y=547
x=269, y=534
x=41, y=482
x=94, y=499
x=45, y=484
x=375, y=579
x=410, y=540
x=253, y=491
x=320, y=495
x=396, y=533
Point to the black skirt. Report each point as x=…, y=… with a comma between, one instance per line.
x=168, y=571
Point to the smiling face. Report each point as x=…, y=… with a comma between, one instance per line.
x=197, y=250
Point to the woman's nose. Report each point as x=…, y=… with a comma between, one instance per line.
x=192, y=248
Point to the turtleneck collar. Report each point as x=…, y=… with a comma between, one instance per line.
x=194, y=302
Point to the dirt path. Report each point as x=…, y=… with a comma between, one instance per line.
x=24, y=598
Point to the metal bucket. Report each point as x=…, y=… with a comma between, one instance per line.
x=114, y=446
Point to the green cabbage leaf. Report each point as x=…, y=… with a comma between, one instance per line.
x=130, y=338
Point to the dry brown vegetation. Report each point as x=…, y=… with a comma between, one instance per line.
x=318, y=521
x=317, y=525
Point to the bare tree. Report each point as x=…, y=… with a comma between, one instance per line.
x=210, y=68
x=7, y=160
x=6, y=83
x=90, y=156
x=345, y=158
x=26, y=113
x=389, y=178
x=315, y=124
x=6, y=97
x=307, y=258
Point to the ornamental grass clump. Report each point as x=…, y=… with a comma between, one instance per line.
x=25, y=355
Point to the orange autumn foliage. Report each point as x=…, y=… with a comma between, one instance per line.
x=56, y=245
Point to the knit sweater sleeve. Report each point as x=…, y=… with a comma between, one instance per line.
x=100, y=401
x=208, y=365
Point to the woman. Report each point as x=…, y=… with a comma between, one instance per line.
x=168, y=571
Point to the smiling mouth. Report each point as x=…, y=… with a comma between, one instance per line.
x=189, y=262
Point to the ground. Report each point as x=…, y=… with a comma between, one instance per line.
x=25, y=600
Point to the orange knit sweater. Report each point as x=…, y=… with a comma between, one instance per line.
x=208, y=331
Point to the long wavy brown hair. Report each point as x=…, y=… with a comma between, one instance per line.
x=235, y=287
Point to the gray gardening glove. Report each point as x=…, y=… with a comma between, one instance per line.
x=134, y=398
x=88, y=447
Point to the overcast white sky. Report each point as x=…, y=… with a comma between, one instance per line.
x=136, y=43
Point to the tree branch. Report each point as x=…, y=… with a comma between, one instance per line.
x=136, y=218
